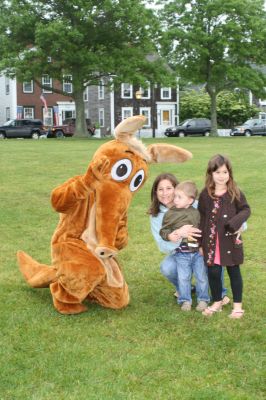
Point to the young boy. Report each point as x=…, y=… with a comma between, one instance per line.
x=187, y=255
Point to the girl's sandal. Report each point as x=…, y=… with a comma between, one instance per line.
x=209, y=311
x=236, y=314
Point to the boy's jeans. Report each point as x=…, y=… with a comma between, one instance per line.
x=186, y=264
x=169, y=270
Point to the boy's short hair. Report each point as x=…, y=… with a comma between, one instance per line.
x=189, y=188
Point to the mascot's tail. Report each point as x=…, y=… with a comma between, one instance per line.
x=37, y=275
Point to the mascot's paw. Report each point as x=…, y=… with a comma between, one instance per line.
x=67, y=308
x=105, y=252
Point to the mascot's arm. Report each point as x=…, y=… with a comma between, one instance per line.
x=65, y=196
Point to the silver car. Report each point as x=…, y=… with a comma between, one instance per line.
x=250, y=127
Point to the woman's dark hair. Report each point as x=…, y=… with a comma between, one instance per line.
x=216, y=162
x=155, y=204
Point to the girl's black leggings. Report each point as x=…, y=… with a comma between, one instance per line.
x=215, y=282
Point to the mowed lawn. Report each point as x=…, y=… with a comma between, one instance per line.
x=150, y=350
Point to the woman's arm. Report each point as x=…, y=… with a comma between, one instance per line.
x=163, y=245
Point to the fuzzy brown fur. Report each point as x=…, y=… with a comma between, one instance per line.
x=92, y=226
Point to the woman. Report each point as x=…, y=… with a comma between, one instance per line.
x=162, y=198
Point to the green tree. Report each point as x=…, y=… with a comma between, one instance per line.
x=194, y=104
x=87, y=39
x=218, y=43
x=232, y=108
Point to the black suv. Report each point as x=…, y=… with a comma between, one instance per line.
x=22, y=128
x=193, y=126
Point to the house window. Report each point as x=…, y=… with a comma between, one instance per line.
x=127, y=112
x=101, y=117
x=7, y=113
x=67, y=84
x=47, y=116
x=28, y=112
x=166, y=93
x=146, y=111
x=146, y=92
x=126, y=91
x=101, y=90
x=86, y=94
x=47, y=81
x=7, y=85
x=28, y=87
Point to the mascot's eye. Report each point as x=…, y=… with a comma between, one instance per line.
x=121, y=170
x=137, y=180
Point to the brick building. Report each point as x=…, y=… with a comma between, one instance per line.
x=23, y=100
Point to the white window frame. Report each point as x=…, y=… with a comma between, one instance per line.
x=126, y=112
x=29, y=83
x=47, y=81
x=147, y=112
x=148, y=89
x=86, y=94
x=47, y=116
x=166, y=97
x=7, y=85
x=67, y=84
x=101, y=117
x=101, y=90
x=28, y=112
x=126, y=87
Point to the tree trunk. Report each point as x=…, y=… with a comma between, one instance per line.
x=81, y=126
x=211, y=90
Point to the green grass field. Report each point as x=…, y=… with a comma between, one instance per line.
x=150, y=350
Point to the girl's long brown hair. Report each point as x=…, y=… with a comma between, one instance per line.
x=155, y=204
x=216, y=162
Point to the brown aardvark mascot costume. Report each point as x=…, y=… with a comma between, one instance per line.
x=93, y=223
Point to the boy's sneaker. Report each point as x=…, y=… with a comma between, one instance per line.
x=186, y=306
x=202, y=305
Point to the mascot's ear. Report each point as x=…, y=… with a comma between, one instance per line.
x=127, y=128
x=163, y=153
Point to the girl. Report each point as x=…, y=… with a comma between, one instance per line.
x=223, y=208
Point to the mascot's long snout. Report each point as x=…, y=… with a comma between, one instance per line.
x=112, y=203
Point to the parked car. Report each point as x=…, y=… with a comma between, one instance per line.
x=193, y=126
x=249, y=128
x=67, y=129
x=22, y=128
